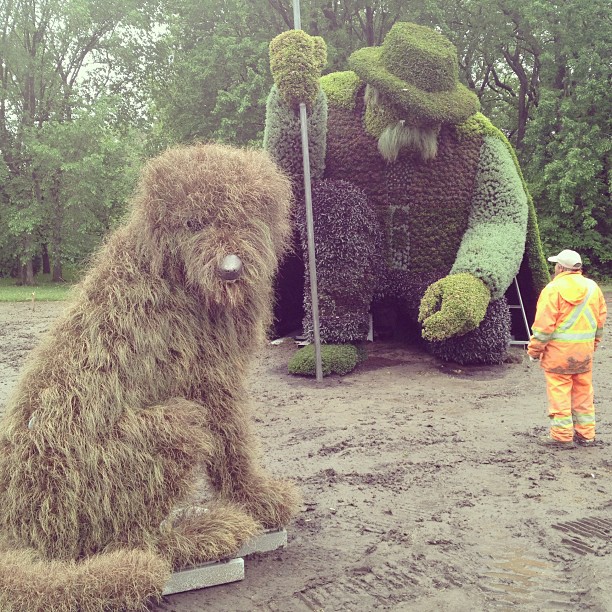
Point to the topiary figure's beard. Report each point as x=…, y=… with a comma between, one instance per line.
x=399, y=136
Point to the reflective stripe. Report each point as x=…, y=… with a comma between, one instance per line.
x=584, y=419
x=576, y=312
x=563, y=332
x=589, y=315
x=541, y=336
x=562, y=422
x=582, y=337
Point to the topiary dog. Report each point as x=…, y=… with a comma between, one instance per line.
x=141, y=383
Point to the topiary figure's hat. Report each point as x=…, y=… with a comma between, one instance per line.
x=416, y=68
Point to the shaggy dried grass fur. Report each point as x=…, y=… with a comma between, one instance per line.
x=141, y=383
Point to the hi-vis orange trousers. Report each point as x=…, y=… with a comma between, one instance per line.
x=570, y=405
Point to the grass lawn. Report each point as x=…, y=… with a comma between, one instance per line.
x=44, y=290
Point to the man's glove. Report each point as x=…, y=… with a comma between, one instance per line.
x=296, y=61
x=533, y=358
x=453, y=306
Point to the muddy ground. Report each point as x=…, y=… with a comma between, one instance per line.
x=423, y=486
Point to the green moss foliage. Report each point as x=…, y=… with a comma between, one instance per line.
x=341, y=88
x=416, y=69
x=419, y=55
x=348, y=245
x=283, y=139
x=488, y=344
x=453, y=306
x=296, y=60
x=335, y=359
x=493, y=245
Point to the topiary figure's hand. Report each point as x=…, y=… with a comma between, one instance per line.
x=296, y=61
x=453, y=306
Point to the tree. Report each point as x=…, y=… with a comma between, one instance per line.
x=568, y=147
x=55, y=54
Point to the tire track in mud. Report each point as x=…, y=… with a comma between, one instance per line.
x=591, y=535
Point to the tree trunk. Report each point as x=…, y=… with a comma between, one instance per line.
x=56, y=230
x=46, y=264
x=369, y=26
x=57, y=270
x=27, y=274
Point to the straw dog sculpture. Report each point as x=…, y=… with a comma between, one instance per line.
x=138, y=386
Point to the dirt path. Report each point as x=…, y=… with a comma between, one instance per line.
x=423, y=487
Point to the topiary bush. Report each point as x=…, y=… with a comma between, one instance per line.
x=341, y=88
x=336, y=359
x=348, y=259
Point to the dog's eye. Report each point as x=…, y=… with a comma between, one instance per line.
x=194, y=225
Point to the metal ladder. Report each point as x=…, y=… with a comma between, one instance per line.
x=522, y=308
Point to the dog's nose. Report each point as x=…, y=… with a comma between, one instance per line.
x=230, y=268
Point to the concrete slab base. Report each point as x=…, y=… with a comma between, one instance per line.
x=266, y=542
x=207, y=575
x=222, y=572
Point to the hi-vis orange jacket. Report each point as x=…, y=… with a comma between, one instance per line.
x=568, y=325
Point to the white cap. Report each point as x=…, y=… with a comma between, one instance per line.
x=568, y=259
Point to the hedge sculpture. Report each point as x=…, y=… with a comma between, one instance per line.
x=140, y=387
x=444, y=183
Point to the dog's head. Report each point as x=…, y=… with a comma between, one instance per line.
x=219, y=212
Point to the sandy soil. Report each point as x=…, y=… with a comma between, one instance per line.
x=423, y=486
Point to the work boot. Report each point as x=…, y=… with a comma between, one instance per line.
x=558, y=444
x=582, y=441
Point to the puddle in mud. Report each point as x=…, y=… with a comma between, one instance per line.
x=517, y=579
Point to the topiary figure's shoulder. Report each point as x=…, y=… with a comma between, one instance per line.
x=478, y=126
x=341, y=89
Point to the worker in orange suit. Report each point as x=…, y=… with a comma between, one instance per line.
x=568, y=326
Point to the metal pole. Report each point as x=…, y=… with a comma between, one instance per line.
x=297, y=19
x=312, y=269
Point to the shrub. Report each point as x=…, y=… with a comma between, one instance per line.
x=296, y=60
x=336, y=359
x=341, y=88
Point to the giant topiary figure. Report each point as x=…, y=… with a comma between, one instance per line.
x=458, y=220
x=139, y=387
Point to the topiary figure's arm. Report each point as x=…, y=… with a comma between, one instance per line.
x=283, y=140
x=296, y=61
x=492, y=247
x=491, y=250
